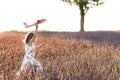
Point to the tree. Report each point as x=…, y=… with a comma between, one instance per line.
x=84, y=6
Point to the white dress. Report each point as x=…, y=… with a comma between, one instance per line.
x=30, y=60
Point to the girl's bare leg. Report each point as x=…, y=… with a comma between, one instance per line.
x=23, y=68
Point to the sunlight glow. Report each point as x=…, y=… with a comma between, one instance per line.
x=60, y=15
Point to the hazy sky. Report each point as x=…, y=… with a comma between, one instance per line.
x=60, y=16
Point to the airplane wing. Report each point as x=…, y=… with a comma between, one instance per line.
x=41, y=21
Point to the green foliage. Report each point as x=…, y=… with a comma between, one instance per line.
x=85, y=4
x=78, y=2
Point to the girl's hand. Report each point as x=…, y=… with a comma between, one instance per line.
x=37, y=26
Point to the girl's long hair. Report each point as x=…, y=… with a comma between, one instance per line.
x=28, y=37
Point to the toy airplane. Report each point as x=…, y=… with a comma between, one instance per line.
x=36, y=23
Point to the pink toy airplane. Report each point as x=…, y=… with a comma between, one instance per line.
x=36, y=23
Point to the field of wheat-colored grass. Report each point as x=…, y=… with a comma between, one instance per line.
x=64, y=55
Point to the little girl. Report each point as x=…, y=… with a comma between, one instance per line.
x=29, y=58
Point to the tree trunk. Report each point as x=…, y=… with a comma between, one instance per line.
x=82, y=23
x=82, y=14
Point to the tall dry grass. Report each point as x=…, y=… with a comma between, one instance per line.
x=65, y=56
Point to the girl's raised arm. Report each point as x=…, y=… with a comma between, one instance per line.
x=35, y=34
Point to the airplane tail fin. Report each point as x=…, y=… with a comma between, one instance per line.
x=25, y=24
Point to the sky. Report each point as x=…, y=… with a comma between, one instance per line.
x=60, y=16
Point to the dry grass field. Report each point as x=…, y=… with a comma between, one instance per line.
x=65, y=56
